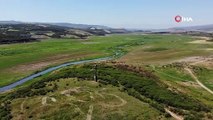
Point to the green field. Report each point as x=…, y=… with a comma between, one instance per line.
x=143, y=80
x=20, y=60
x=164, y=49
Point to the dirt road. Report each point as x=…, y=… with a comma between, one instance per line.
x=177, y=117
x=89, y=114
x=196, y=79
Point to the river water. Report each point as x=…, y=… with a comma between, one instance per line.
x=31, y=77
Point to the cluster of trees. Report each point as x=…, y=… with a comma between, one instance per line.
x=198, y=69
x=141, y=71
x=19, y=33
x=178, y=65
x=15, y=37
x=150, y=89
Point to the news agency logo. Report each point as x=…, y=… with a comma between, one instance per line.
x=180, y=19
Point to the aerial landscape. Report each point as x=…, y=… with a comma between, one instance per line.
x=86, y=62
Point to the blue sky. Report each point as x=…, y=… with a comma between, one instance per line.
x=114, y=13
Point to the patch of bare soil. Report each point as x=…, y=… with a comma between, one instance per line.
x=82, y=101
x=89, y=114
x=53, y=99
x=199, y=60
x=192, y=59
x=53, y=60
x=174, y=115
x=88, y=43
x=44, y=100
x=209, y=49
x=71, y=91
x=201, y=40
x=42, y=64
x=190, y=84
x=208, y=63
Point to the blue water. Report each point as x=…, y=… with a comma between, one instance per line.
x=22, y=81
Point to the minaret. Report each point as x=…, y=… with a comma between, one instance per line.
x=95, y=73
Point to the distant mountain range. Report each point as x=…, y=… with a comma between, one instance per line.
x=70, y=25
x=203, y=28
x=10, y=22
x=94, y=29
x=16, y=32
x=80, y=26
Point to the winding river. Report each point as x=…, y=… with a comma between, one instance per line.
x=22, y=81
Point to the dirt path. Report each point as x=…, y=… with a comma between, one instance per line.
x=44, y=101
x=91, y=96
x=20, y=117
x=177, y=117
x=192, y=75
x=123, y=102
x=89, y=114
x=99, y=94
x=22, y=106
x=196, y=79
x=53, y=99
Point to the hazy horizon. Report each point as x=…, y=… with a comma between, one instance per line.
x=138, y=14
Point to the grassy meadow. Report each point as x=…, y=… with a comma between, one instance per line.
x=20, y=60
x=107, y=102
x=164, y=49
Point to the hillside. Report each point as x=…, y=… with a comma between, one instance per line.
x=20, y=32
x=121, y=92
x=77, y=99
x=17, y=33
x=80, y=26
